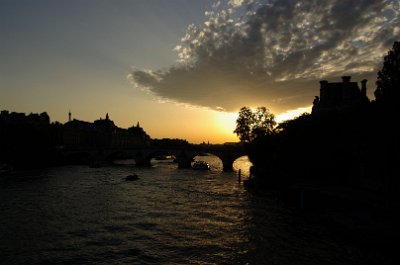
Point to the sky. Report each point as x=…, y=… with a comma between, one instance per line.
x=183, y=68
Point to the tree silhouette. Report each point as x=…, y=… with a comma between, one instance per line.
x=244, y=124
x=251, y=125
x=264, y=122
x=388, y=81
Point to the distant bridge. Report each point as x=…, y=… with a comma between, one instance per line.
x=184, y=155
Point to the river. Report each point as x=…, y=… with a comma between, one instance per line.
x=83, y=215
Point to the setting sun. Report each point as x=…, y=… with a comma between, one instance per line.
x=225, y=122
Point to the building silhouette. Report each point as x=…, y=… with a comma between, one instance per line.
x=102, y=133
x=337, y=96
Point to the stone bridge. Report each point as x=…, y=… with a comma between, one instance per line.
x=142, y=156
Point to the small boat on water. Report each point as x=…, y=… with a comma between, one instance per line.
x=201, y=165
x=132, y=177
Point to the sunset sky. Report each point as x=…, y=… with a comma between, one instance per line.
x=183, y=68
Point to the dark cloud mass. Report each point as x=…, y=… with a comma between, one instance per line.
x=273, y=53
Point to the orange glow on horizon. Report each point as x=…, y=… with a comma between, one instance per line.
x=225, y=123
x=196, y=125
x=291, y=114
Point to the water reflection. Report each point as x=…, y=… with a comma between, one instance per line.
x=75, y=215
x=243, y=164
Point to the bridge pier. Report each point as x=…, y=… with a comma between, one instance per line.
x=227, y=159
x=227, y=163
x=184, y=160
x=184, y=164
x=141, y=160
x=142, y=163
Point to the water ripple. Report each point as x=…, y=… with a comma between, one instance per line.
x=80, y=215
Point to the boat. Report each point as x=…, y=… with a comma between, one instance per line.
x=132, y=177
x=201, y=165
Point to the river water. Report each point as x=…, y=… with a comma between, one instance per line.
x=82, y=215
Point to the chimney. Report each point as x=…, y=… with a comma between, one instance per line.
x=346, y=79
x=364, y=88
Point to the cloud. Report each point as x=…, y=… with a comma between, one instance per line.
x=273, y=53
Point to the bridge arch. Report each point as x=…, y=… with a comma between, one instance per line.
x=227, y=158
x=243, y=164
x=116, y=155
x=143, y=157
x=214, y=160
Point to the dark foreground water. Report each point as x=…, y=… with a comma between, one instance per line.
x=82, y=215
